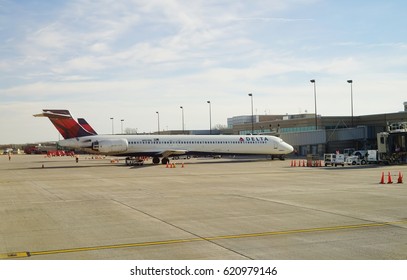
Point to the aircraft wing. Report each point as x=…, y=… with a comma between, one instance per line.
x=168, y=153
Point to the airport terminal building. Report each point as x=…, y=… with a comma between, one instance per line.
x=310, y=134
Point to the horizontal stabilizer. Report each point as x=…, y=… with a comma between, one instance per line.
x=57, y=114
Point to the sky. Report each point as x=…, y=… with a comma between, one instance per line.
x=128, y=59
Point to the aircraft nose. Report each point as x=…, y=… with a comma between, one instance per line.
x=289, y=148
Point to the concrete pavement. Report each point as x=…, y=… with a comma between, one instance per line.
x=210, y=209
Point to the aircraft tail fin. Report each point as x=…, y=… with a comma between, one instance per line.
x=86, y=125
x=64, y=123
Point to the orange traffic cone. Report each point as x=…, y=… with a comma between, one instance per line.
x=389, y=180
x=382, y=180
x=167, y=165
x=400, y=179
x=182, y=166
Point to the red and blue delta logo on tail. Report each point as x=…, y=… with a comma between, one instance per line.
x=65, y=124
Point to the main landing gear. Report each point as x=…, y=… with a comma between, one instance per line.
x=156, y=160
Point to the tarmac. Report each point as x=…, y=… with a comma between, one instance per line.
x=210, y=209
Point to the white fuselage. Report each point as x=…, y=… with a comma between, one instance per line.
x=167, y=145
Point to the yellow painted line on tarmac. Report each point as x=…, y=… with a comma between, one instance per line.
x=15, y=255
x=334, y=228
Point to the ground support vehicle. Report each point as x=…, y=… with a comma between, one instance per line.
x=372, y=156
x=334, y=159
x=130, y=161
x=392, y=147
x=362, y=157
x=355, y=160
x=348, y=151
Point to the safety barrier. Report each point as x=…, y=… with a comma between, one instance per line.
x=389, y=178
x=306, y=163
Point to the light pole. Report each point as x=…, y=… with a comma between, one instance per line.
x=158, y=120
x=251, y=96
x=210, y=117
x=182, y=109
x=112, y=125
x=315, y=101
x=351, y=99
x=122, y=120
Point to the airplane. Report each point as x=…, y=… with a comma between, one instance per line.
x=85, y=138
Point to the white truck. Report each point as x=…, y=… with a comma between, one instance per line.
x=362, y=157
x=334, y=159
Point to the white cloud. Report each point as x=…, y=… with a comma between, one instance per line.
x=80, y=65
x=99, y=48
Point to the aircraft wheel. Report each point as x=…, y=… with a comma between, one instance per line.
x=165, y=161
x=156, y=160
